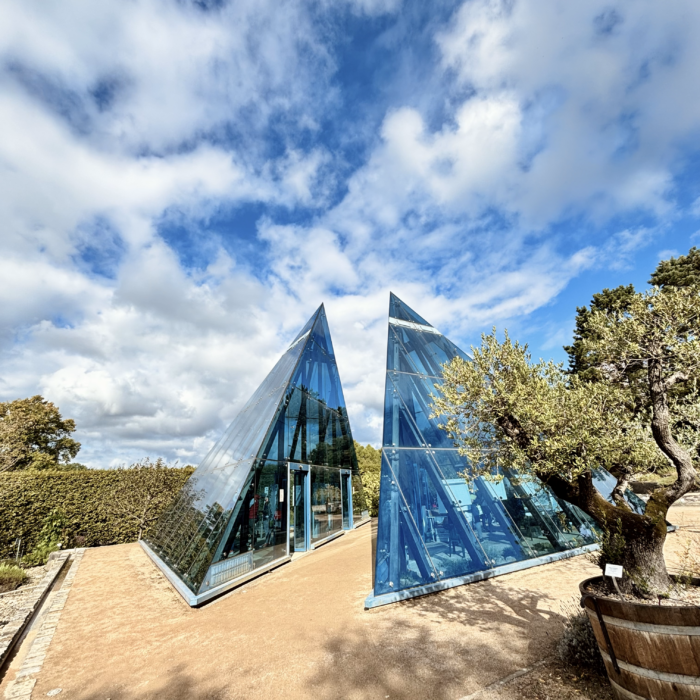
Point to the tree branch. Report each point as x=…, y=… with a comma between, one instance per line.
x=675, y=378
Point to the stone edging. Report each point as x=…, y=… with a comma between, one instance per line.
x=12, y=631
x=23, y=685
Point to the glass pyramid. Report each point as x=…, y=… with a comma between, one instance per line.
x=234, y=517
x=435, y=529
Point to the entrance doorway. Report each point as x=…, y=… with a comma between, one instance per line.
x=346, y=497
x=299, y=510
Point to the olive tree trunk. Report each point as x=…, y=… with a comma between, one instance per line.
x=632, y=540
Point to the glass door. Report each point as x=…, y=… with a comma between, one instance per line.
x=346, y=495
x=298, y=535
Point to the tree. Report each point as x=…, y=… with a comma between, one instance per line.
x=683, y=271
x=33, y=435
x=608, y=300
x=505, y=411
x=370, y=463
x=143, y=502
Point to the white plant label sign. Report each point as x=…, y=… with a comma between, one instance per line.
x=613, y=570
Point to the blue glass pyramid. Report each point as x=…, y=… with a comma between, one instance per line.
x=435, y=528
x=232, y=518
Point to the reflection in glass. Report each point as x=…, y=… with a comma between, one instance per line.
x=326, y=507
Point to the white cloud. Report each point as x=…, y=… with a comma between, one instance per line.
x=119, y=116
x=603, y=83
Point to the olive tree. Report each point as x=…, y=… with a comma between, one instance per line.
x=505, y=411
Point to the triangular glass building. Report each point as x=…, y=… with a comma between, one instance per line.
x=435, y=529
x=282, y=479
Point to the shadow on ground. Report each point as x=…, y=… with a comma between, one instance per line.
x=440, y=647
x=179, y=686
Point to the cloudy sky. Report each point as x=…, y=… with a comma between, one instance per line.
x=182, y=184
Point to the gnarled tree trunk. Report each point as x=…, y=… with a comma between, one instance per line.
x=642, y=550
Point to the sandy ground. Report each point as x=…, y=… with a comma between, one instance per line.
x=302, y=632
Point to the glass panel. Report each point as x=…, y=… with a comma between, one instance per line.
x=443, y=528
x=402, y=561
x=399, y=429
x=562, y=525
x=583, y=523
x=420, y=352
x=270, y=514
x=397, y=309
x=536, y=525
x=326, y=507
x=397, y=357
x=259, y=523
x=496, y=532
x=414, y=392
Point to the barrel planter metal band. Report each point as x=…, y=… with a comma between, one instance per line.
x=651, y=652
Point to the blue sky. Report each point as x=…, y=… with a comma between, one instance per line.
x=183, y=183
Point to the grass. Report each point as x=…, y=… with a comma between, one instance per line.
x=11, y=577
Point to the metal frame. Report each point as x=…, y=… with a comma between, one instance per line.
x=373, y=601
x=306, y=469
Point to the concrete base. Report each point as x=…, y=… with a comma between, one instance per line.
x=374, y=601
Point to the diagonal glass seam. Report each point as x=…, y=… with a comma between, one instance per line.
x=299, y=339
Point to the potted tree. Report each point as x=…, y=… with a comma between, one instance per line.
x=637, y=409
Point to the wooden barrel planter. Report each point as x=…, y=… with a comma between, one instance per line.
x=651, y=652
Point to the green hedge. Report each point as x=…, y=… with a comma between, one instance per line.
x=28, y=497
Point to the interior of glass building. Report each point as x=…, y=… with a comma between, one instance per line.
x=436, y=528
x=283, y=479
